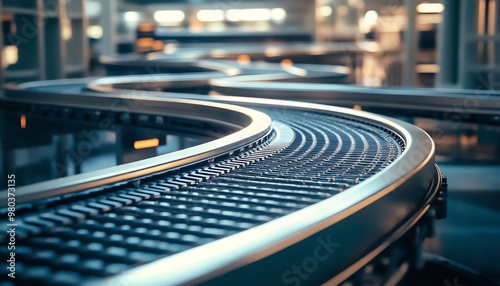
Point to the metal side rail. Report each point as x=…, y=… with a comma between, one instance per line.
x=329, y=182
x=450, y=104
x=243, y=128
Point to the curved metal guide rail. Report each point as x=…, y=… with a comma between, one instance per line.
x=452, y=104
x=331, y=183
x=245, y=127
x=456, y=105
x=305, y=82
x=256, y=52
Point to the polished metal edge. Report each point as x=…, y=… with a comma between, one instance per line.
x=455, y=104
x=251, y=125
x=270, y=50
x=445, y=100
x=414, y=167
x=394, y=236
x=214, y=259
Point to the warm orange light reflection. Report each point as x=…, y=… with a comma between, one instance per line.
x=357, y=107
x=144, y=42
x=158, y=45
x=287, y=65
x=146, y=27
x=23, y=121
x=148, y=143
x=427, y=68
x=243, y=59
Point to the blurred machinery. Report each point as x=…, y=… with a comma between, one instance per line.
x=43, y=40
x=466, y=56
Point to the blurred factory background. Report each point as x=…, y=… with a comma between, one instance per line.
x=432, y=46
x=421, y=44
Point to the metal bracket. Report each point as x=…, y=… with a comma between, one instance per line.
x=440, y=202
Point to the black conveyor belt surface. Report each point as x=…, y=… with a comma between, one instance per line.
x=112, y=231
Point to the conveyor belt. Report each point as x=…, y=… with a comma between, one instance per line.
x=318, y=160
x=283, y=179
x=108, y=233
x=476, y=106
x=311, y=83
x=308, y=52
x=481, y=106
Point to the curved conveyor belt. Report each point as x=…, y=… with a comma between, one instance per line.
x=249, y=200
x=303, y=82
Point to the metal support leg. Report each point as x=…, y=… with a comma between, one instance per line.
x=447, y=49
x=55, y=46
x=468, y=47
x=108, y=23
x=1, y=56
x=496, y=77
x=409, y=77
